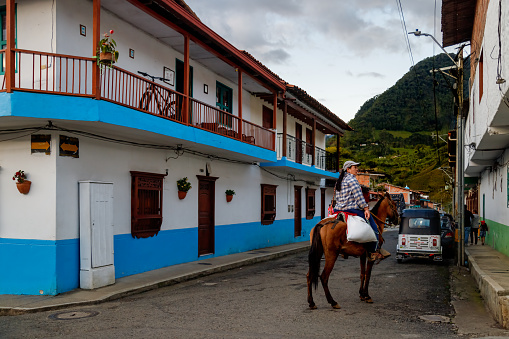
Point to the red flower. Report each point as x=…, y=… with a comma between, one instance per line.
x=111, y=31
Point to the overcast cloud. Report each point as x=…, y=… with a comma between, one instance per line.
x=330, y=48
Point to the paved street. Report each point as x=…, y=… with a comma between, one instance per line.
x=268, y=300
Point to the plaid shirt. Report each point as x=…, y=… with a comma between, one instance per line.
x=350, y=196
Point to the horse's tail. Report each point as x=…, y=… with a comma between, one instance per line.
x=315, y=255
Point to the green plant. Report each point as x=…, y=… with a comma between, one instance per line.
x=20, y=176
x=230, y=192
x=107, y=45
x=183, y=185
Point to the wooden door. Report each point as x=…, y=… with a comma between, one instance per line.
x=268, y=114
x=297, y=211
x=298, y=143
x=322, y=203
x=206, y=217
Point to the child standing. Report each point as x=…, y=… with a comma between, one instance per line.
x=483, y=231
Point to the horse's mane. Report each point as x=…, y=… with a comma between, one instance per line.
x=375, y=208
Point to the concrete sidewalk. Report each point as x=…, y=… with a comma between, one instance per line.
x=490, y=270
x=19, y=304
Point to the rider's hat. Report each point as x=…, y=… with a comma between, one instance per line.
x=349, y=164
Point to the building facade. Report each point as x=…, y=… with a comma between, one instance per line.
x=104, y=146
x=486, y=132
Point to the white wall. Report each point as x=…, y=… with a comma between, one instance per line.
x=481, y=114
x=111, y=162
x=30, y=216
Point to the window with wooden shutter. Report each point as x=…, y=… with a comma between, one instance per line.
x=146, y=204
x=310, y=203
x=268, y=204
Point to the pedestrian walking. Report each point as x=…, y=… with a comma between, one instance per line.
x=483, y=231
x=474, y=228
x=468, y=222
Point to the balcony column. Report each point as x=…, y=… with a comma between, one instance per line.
x=96, y=37
x=186, y=80
x=337, y=153
x=313, y=140
x=240, y=102
x=285, y=113
x=10, y=54
x=274, y=119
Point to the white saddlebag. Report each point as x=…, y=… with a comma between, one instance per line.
x=359, y=230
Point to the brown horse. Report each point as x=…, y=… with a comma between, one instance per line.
x=329, y=237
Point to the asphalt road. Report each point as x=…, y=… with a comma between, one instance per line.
x=266, y=300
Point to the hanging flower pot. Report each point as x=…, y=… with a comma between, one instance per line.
x=22, y=183
x=106, y=58
x=182, y=194
x=23, y=187
x=183, y=185
x=229, y=195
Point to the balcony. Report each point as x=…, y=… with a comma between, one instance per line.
x=70, y=75
x=301, y=152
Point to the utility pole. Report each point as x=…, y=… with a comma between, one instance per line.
x=460, y=151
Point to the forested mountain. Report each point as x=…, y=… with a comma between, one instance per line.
x=409, y=104
x=395, y=132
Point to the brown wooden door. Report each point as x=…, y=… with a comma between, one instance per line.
x=298, y=143
x=268, y=114
x=206, y=217
x=297, y=211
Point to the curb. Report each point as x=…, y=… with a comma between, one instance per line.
x=494, y=295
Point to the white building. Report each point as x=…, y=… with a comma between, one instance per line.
x=104, y=147
x=486, y=133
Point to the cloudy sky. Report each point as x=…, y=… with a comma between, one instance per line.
x=342, y=52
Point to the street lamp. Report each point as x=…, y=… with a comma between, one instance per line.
x=419, y=33
x=459, y=147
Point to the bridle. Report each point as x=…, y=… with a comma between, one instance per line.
x=394, y=212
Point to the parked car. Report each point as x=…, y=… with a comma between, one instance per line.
x=419, y=235
x=447, y=237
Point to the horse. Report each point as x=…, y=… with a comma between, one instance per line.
x=329, y=237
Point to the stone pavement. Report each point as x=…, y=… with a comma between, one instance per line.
x=490, y=270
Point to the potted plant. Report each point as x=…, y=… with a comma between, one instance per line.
x=22, y=183
x=106, y=50
x=229, y=195
x=183, y=186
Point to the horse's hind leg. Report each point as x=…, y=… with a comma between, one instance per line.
x=310, y=292
x=329, y=265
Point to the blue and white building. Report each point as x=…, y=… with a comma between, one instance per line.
x=103, y=147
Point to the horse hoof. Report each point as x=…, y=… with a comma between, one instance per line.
x=312, y=307
x=336, y=306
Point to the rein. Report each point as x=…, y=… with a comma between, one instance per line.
x=383, y=222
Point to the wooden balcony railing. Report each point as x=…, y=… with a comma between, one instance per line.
x=71, y=75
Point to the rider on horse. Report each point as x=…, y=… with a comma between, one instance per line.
x=349, y=199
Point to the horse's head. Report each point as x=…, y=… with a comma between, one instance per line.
x=392, y=210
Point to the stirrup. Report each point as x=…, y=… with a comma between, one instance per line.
x=385, y=253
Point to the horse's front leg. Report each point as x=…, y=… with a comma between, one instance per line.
x=365, y=289
x=362, y=296
x=330, y=260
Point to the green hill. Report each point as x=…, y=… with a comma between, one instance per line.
x=409, y=104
